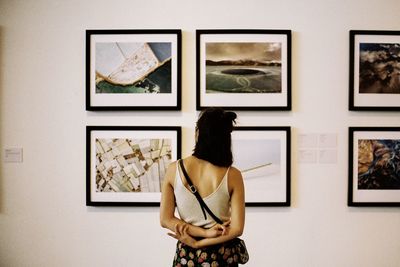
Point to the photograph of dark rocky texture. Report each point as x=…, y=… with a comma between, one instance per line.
x=379, y=68
x=379, y=164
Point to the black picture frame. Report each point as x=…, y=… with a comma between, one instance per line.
x=125, y=164
x=133, y=69
x=264, y=82
x=374, y=167
x=374, y=83
x=263, y=155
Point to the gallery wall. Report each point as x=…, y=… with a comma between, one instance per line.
x=43, y=217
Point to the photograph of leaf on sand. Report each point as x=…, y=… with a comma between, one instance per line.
x=133, y=67
x=243, y=67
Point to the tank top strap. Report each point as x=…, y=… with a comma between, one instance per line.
x=178, y=179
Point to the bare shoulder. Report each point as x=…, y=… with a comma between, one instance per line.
x=235, y=177
x=170, y=173
x=235, y=173
x=172, y=166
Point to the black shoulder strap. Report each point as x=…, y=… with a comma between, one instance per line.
x=193, y=189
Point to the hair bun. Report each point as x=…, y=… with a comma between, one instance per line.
x=230, y=115
x=229, y=118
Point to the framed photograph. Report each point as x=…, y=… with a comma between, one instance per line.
x=374, y=70
x=243, y=69
x=262, y=154
x=133, y=69
x=374, y=166
x=126, y=164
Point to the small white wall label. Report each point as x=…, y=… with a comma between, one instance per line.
x=13, y=155
x=317, y=148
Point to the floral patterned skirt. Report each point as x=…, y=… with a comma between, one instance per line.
x=213, y=256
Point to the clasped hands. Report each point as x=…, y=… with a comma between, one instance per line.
x=183, y=233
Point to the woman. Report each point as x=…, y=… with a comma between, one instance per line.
x=202, y=241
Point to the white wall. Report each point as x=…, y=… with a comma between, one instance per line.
x=43, y=217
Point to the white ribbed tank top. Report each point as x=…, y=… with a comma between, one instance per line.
x=189, y=208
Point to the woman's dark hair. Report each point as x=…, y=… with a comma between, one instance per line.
x=214, y=128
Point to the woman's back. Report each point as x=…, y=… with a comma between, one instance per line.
x=212, y=184
x=204, y=175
